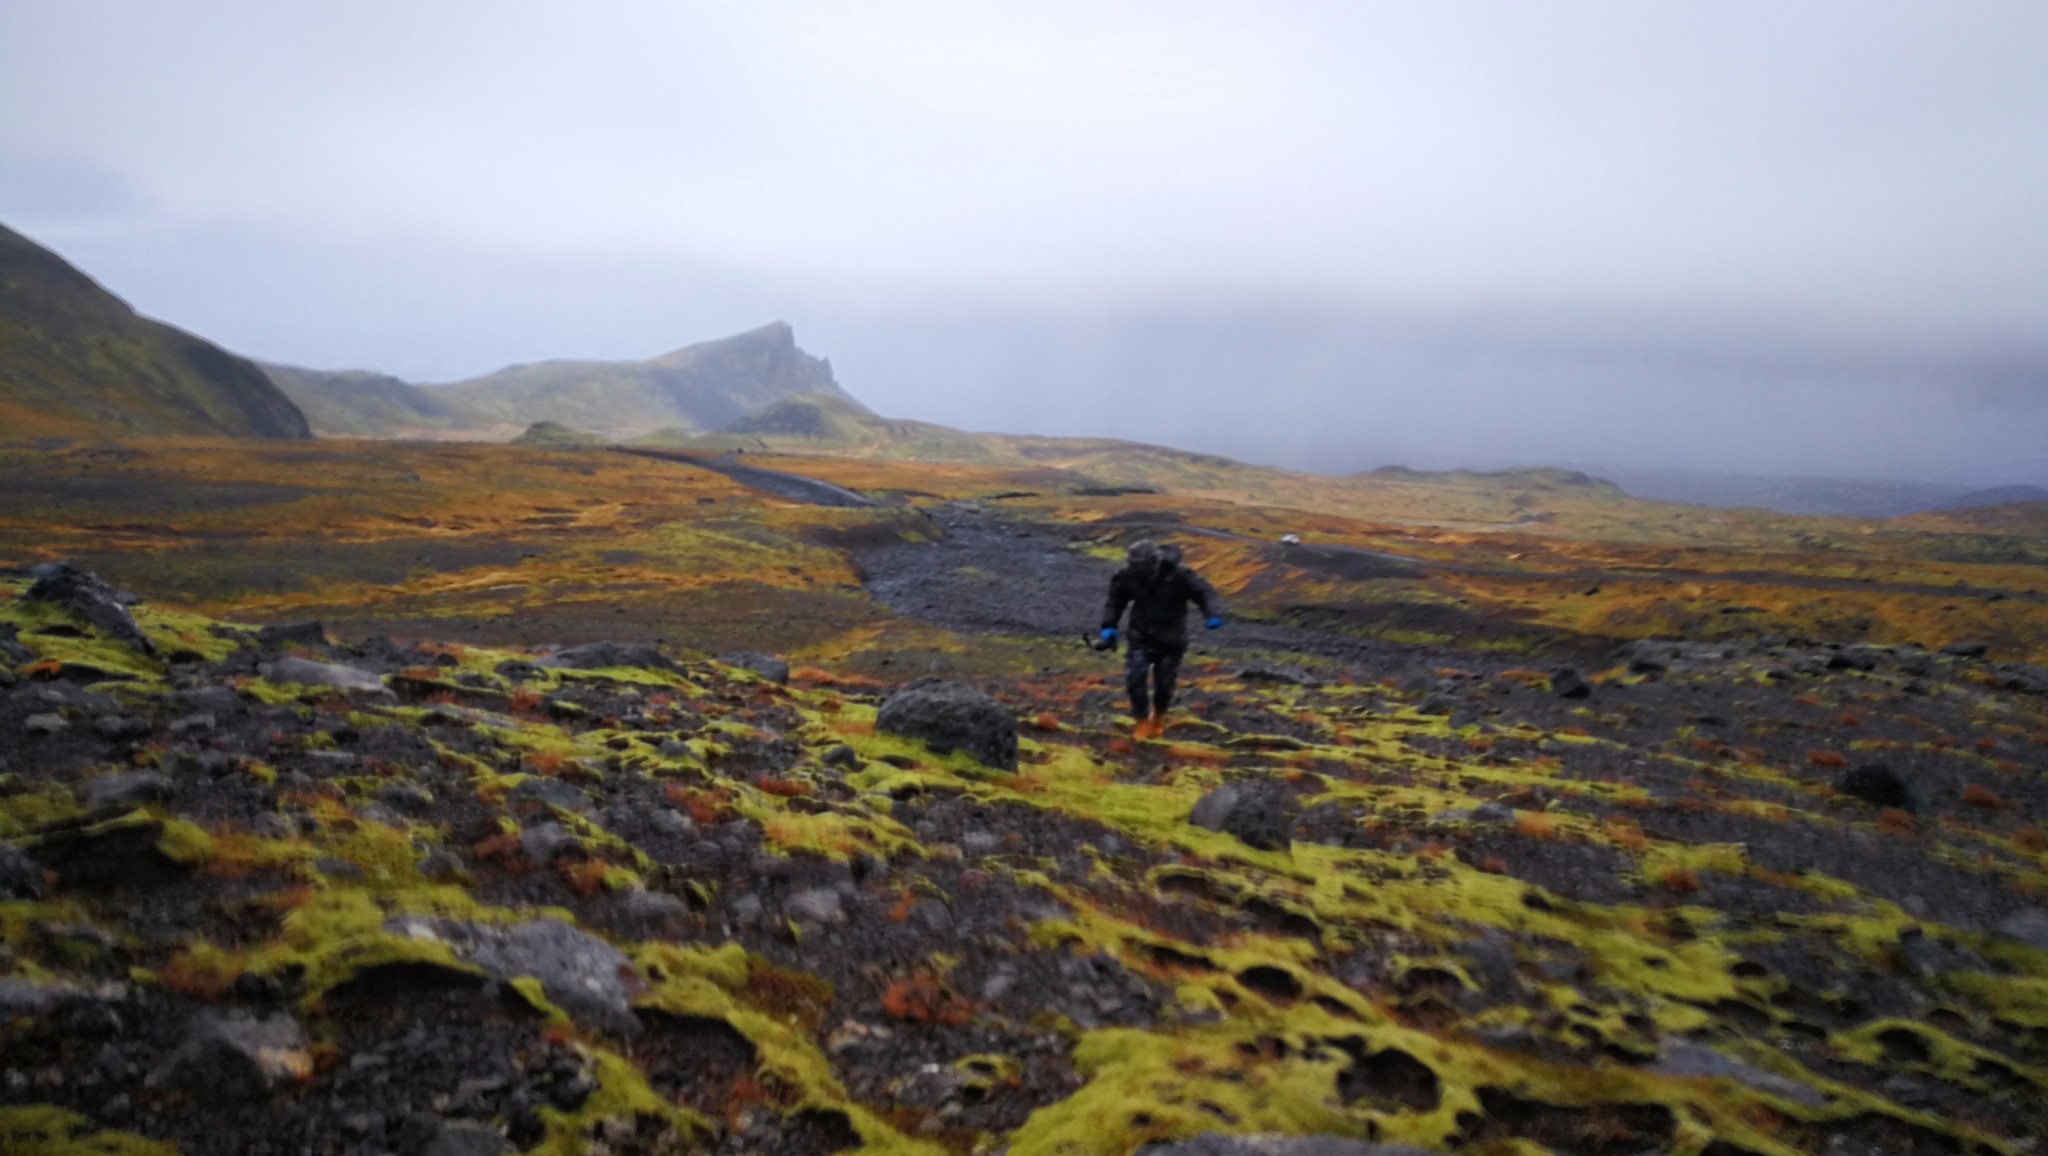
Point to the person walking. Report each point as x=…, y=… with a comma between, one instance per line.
x=1157, y=589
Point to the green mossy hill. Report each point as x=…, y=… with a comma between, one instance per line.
x=548, y=433
x=75, y=359
x=698, y=387
x=363, y=404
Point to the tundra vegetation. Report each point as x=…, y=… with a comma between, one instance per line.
x=441, y=799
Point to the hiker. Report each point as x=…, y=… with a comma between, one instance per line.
x=1157, y=588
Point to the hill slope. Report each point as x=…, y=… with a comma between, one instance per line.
x=698, y=387
x=360, y=403
x=76, y=360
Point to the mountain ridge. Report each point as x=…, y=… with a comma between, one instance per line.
x=77, y=360
x=695, y=388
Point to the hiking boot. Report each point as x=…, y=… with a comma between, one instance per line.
x=1148, y=728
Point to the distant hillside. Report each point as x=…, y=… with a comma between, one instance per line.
x=358, y=403
x=76, y=361
x=699, y=387
x=556, y=435
x=1517, y=479
x=692, y=390
x=1994, y=496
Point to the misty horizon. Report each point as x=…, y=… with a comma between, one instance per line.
x=1720, y=238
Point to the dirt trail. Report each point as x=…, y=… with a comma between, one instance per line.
x=794, y=487
x=991, y=576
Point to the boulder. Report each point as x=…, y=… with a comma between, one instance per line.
x=82, y=593
x=45, y=725
x=117, y=728
x=461, y=1138
x=766, y=665
x=306, y=672
x=547, y=842
x=294, y=634
x=2028, y=925
x=1569, y=683
x=126, y=789
x=551, y=792
x=235, y=1057
x=583, y=975
x=219, y=701
x=20, y=876
x=1878, y=785
x=1689, y=1061
x=1216, y=1144
x=821, y=905
x=948, y=716
x=600, y=655
x=1260, y=815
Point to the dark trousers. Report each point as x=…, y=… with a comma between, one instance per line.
x=1162, y=663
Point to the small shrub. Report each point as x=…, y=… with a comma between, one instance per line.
x=546, y=763
x=1893, y=821
x=2030, y=839
x=1977, y=796
x=1679, y=879
x=782, y=788
x=923, y=998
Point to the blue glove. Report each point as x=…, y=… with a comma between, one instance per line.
x=1109, y=634
x=1215, y=623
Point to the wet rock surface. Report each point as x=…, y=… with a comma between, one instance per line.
x=948, y=717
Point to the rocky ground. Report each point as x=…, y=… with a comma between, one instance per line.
x=266, y=891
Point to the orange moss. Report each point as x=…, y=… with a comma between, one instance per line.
x=1683, y=880
x=1977, y=796
x=783, y=788
x=545, y=763
x=2030, y=838
x=1535, y=824
x=923, y=998
x=1893, y=821
x=1820, y=758
x=586, y=878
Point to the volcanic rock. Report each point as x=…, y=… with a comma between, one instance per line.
x=126, y=789
x=1259, y=814
x=293, y=634
x=306, y=672
x=1569, y=683
x=1878, y=785
x=20, y=876
x=2028, y=925
x=84, y=594
x=1215, y=1144
x=599, y=655
x=235, y=1057
x=948, y=716
x=766, y=665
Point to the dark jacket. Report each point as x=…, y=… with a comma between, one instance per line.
x=1159, y=604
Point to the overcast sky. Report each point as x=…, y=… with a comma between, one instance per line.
x=1798, y=237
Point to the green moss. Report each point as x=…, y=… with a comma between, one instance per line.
x=40, y=1130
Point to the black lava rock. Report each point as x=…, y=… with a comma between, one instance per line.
x=294, y=634
x=1569, y=683
x=766, y=665
x=1261, y=815
x=1878, y=785
x=948, y=716
x=84, y=594
x=20, y=876
x=599, y=655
